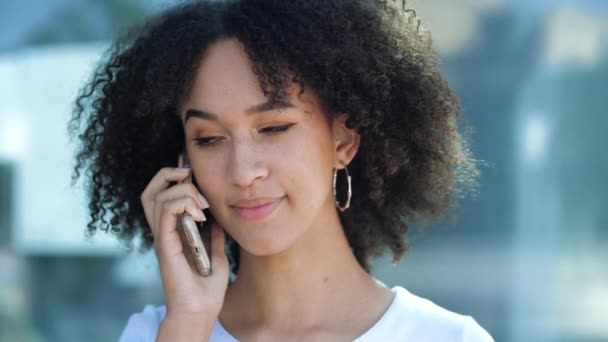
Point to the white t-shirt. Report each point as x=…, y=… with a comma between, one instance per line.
x=408, y=318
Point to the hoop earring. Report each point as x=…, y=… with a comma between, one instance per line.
x=342, y=208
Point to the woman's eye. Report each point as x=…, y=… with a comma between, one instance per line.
x=206, y=141
x=210, y=141
x=277, y=129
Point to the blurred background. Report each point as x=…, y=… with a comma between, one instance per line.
x=526, y=256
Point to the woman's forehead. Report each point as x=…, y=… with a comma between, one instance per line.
x=225, y=72
x=225, y=83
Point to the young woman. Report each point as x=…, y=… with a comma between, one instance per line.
x=317, y=132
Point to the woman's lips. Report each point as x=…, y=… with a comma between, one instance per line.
x=259, y=212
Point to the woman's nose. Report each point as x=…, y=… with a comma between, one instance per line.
x=246, y=165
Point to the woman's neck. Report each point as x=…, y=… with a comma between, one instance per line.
x=315, y=283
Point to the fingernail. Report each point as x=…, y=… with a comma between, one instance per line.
x=204, y=202
x=182, y=169
x=202, y=216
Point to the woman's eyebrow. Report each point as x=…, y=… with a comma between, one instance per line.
x=257, y=109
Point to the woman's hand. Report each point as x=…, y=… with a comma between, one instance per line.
x=187, y=293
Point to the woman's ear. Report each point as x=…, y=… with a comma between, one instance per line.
x=346, y=141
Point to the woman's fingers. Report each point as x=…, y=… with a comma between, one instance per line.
x=181, y=190
x=158, y=183
x=166, y=237
x=176, y=192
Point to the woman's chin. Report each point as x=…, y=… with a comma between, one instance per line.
x=264, y=245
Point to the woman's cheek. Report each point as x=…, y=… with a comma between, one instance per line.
x=210, y=179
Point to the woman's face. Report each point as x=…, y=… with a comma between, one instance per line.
x=241, y=150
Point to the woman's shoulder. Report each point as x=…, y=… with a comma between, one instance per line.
x=143, y=325
x=414, y=318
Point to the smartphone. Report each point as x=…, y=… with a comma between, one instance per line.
x=190, y=232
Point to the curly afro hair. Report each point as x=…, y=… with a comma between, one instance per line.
x=368, y=58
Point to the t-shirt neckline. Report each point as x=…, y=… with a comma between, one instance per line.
x=361, y=338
